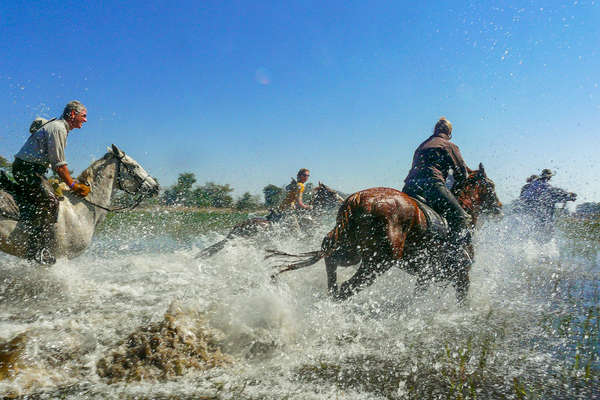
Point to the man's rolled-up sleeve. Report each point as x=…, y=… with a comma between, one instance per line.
x=57, y=141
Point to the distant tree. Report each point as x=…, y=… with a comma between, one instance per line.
x=248, y=202
x=588, y=209
x=214, y=195
x=186, y=180
x=181, y=192
x=273, y=195
x=208, y=195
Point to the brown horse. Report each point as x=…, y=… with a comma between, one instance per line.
x=323, y=199
x=383, y=227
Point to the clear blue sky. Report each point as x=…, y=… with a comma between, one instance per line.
x=248, y=92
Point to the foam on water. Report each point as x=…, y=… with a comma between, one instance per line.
x=286, y=339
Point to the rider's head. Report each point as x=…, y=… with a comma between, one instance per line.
x=443, y=126
x=532, y=178
x=546, y=174
x=75, y=114
x=303, y=175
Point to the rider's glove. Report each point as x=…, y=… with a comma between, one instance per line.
x=572, y=196
x=80, y=189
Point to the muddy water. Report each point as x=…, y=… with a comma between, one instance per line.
x=231, y=333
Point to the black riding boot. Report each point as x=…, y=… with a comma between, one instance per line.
x=39, y=245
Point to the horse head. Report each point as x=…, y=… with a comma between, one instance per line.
x=130, y=176
x=477, y=194
x=325, y=197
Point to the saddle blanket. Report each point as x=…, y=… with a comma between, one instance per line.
x=436, y=224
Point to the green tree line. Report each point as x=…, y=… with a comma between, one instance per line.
x=186, y=193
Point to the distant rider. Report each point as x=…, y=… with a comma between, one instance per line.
x=539, y=198
x=527, y=185
x=293, y=200
x=294, y=192
x=37, y=202
x=432, y=162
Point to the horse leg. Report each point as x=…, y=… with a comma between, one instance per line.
x=331, y=268
x=212, y=249
x=338, y=258
x=423, y=283
x=365, y=276
x=461, y=280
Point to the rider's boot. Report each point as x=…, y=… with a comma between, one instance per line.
x=39, y=247
x=45, y=257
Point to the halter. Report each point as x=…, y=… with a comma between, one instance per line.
x=328, y=192
x=139, y=180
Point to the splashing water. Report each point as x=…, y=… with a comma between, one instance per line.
x=531, y=327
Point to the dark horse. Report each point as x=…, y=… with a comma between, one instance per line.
x=324, y=198
x=383, y=227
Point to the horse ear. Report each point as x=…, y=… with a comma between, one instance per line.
x=481, y=169
x=116, y=151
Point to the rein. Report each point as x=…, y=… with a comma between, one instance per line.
x=117, y=209
x=120, y=186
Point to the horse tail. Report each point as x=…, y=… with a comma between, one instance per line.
x=308, y=259
x=210, y=250
x=331, y=242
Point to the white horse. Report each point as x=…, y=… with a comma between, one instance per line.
x=78, y=217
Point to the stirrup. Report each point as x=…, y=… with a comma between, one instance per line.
x=44, y=257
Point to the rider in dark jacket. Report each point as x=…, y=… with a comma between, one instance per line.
x=539, y=198
x=432, y=162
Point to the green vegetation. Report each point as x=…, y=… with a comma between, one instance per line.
x=582, y=234
x=248, y=202
x=180, y=224
x=4, y=163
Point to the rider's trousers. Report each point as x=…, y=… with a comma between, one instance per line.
x=439, y=197
x=37, y=204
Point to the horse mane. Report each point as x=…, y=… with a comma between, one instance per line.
x=473, y=174
x=88, y=174
x=323, y=187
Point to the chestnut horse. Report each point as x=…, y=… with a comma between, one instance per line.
x=324, y=198
x=383, y=227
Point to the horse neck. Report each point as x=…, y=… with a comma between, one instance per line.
x=469, y=200
x=320, y=198
x=101, y=175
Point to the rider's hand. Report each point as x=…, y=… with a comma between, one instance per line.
x=81, y=189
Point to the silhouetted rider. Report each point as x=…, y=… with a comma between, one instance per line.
x=539, y=198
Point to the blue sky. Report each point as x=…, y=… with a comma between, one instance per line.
x=246, y=93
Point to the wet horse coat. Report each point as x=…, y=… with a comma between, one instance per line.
x=383, y=227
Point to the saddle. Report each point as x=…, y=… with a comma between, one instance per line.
x=436, y=224
x=8, y=206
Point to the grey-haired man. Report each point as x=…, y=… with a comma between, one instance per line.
x=37, y=202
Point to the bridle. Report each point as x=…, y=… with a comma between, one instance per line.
x=323, y=196
x=120, y=186
x=473, y=185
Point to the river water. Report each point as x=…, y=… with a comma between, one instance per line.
x=530, y=329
